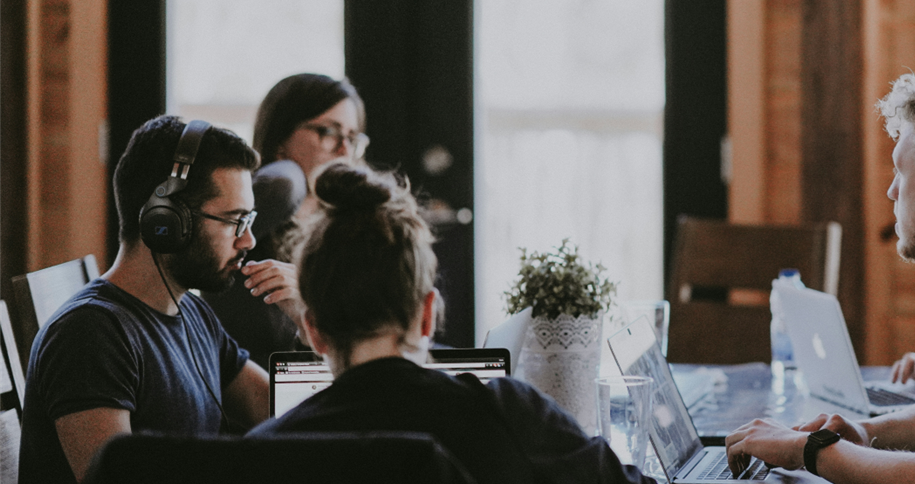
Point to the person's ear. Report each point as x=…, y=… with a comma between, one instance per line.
x=428, y=321
x=315, y=339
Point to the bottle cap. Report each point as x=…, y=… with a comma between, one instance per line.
x=788, y=273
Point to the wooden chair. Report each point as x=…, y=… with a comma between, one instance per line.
x=721, y=278
x=295, y=457
x=39, y=294
x=11, y=353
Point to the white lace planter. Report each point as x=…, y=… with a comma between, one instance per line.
x=561, y=357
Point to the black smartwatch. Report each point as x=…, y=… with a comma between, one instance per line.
x=816, y=441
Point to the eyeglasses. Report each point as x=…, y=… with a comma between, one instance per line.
x=241, y=225
x=332, y=138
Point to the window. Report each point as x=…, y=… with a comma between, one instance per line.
x=224, y=55
x=570, y=99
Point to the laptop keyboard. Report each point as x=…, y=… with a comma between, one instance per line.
x=886, y=398
x=719, y=471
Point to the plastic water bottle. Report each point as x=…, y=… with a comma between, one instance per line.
x=784, y=369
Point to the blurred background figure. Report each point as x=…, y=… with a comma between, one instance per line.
x=305, y=121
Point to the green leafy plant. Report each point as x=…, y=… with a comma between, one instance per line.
x=555, y=283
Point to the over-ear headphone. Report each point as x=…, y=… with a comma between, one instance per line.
x=166, y=224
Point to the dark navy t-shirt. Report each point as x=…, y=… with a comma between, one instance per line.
x=107, y=349
x=503, y=432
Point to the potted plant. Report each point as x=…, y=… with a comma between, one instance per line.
x=561, y=350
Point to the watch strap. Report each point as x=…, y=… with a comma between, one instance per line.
x=816, y=441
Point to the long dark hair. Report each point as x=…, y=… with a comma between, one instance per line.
x=298, y=98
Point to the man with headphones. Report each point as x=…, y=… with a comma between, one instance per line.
x=134, y=350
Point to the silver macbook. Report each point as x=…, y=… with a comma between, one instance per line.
x=824, y=353
x=297, y=375
x=673, y=435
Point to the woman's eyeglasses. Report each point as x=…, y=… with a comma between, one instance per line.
x=241, y=225
x=332, y=138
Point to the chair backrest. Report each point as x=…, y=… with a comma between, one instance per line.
x=300, y=457
x=715, y=262
x=13, y=362
x=39, y=294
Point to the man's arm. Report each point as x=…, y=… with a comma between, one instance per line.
x=82, y=434
x=847, y=463
x=247, y=398
x=841, y=463
x=894, y=431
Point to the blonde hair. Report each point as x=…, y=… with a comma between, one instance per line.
x=899, y=105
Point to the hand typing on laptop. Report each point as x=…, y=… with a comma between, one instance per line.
x=859, y=457
x=904, y=369
x=780, y=446
x=767, y=440
x=852, y=431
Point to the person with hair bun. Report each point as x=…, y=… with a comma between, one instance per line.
x=366, y=275
x=305, y=121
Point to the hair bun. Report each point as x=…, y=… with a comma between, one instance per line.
x=351, y=188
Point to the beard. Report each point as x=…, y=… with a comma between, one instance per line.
x=198, y=267
x=906, y=249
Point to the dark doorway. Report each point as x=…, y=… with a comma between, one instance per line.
x=695, y=116
x=411, y=61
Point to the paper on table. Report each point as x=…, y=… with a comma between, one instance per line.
x=6, y=384
x=9, y=446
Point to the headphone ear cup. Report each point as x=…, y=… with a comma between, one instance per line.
x=165, y=224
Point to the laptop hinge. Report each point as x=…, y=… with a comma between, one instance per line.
x=691, y=464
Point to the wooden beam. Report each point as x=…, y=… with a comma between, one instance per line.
x=832, y=187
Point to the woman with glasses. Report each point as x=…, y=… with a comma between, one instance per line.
x=305, y=121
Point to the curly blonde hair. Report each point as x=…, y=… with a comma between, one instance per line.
x=898, y=106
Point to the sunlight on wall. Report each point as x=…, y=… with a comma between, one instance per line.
x=214, y=73
x=569, y=111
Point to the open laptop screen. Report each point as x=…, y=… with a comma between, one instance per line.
x=673, y=434
x=297, y=375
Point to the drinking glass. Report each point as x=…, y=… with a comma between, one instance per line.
x=624, y=414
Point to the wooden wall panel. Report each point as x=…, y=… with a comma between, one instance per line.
x=66, y=175
x=814, y=149
x=783, y=111
x=831, y=120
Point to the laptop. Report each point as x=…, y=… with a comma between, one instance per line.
x=673, y=435
x=509, y=334
x=297, y=375
x=824, y=353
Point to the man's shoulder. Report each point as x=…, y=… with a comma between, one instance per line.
x=196, y=308
x=98, y=296
x=98, y=309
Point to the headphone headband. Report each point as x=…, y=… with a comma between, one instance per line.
x=188, y=145
x=165, y=224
